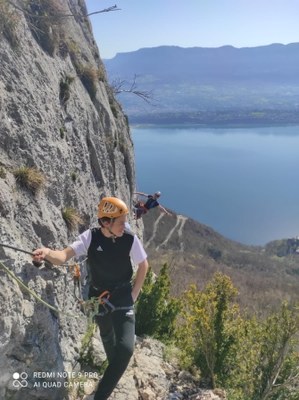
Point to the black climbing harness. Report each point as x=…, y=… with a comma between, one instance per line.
x=107, y=306
x=102, y=299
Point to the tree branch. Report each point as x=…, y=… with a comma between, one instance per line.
x=112, y=8
x=118, y=86
x=61, y=15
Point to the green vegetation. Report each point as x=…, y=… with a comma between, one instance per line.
x=62, y=131
x=73, y=49
x=86, y=354
x=283, y=247
x=64, y=88
x=2, y=173
x=86, y=351
x=71, y=218
x=74, y=176
x=156, y=309
x=263, y=279
x=30, y=178
x=9, y=20
x=204, y=334
x=266, y=358
x=251, y=358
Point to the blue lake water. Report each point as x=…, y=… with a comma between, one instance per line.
x=242, y=182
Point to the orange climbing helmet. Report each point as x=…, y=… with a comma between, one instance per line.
x=112, y=207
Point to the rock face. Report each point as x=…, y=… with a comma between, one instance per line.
x=150, y=377
x=60, y=121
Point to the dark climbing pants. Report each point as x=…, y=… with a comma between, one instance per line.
x=117, y=330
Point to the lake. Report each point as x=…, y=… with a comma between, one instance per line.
x=242, y=182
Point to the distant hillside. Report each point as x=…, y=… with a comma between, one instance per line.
x=195, y=84
x=195, y=252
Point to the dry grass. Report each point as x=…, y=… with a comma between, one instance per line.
x=9, y=20
x=73, y=49
x=45, y=18
x=30, y=178
x=72, y=218
x=90, y=76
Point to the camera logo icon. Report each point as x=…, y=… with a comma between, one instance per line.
x=20, y=380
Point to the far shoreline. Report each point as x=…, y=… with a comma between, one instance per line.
x=234, y=118
x=230, y=125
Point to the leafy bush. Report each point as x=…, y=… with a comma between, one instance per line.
x=204, y=335
x=86, y=351
x=156, y=309
x=252, y=359
x=277, y=364
x=30, y=178
x=265, y=363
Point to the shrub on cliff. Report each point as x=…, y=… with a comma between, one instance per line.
x=30, y=178
x=9, y=20
x=252, y=359
x=156, y=308
x=72, y=218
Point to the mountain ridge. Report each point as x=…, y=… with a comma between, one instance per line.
x=194, y=252
x=206, y=56
x=189, y=81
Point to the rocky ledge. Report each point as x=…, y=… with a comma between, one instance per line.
x=150, y=377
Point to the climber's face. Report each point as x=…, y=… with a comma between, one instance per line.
x=117, y=225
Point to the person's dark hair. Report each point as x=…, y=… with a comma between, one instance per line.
x=104, y=219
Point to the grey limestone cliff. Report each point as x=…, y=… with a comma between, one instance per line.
x=60, y=120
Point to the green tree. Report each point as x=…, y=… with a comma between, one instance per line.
x=277, y=369
x=205, y=336
x=252, y=359
x=156, y=308
x=263, y=361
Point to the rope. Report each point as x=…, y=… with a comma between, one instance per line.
x=75, y=267
x=31, y=254
x=104, y=301
x=16, y=248
x=22, y=284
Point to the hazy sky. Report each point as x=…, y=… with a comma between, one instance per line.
x=188, y=23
